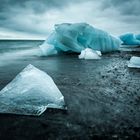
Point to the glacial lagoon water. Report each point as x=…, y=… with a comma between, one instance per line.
x=102, y=96
x=11, y=50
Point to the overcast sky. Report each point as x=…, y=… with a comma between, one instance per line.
x=36, y=18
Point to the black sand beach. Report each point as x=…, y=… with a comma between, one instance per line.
x=102, y=97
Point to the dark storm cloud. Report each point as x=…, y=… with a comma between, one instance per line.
x=129, y=10
x=39, y=16
x=12, y=8
x=37, y=5
x=126, y=7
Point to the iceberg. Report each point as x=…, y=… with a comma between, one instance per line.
x=138, y=37
x=90, y=54
x=134, y=62
x=76, y=37
x=130, y=39
x=31, y=92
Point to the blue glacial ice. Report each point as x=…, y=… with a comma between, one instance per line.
x=134, y=62
x=138, y=37
x=76, y=37
x=30, y=93
x=130, y=39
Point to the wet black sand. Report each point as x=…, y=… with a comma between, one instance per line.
x=102, y=96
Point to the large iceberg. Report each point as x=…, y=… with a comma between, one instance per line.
x=30, y=93
x=130, y=39
x=76, y=37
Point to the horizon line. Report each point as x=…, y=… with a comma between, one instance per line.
x=22, y=39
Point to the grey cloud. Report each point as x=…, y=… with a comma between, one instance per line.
x=123, y=6
x=32, y=16
x=38, y=5
x=126, y=7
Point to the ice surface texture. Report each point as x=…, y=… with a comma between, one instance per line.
x=30, y=93
x=130, y=39
x=76, y=37
x=90, y=54
x=134, y=62
x=47, y=50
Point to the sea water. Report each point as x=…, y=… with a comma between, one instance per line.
x=16, y=49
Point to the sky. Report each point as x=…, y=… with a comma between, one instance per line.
x=35, y=19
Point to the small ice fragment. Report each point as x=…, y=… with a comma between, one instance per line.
x=134, y=62
x=30, y=93
x=89, y=54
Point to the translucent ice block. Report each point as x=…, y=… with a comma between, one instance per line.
x=90, y=54
x=30, y=93
x=134, y=62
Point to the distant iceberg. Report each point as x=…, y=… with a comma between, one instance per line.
x=77, y=37
x=30, y=93
x=130, y=39
x=137, y=37
x=134, y=62
x=90, y=54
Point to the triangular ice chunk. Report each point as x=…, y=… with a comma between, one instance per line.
x=134, y=62
x=30, y=93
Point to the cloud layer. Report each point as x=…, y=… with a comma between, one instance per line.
x=35, y=19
